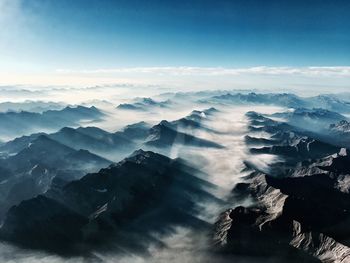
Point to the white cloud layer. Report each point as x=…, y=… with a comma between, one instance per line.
x=305, y=80
x=339, y=71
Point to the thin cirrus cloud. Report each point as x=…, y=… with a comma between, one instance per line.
x=310, y=79
x=339, y=71
x=306, y=80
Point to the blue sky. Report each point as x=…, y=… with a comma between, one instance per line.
x=41, y=36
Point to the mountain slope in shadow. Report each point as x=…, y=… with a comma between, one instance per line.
x=163, y=135
x=18, y=123
x=120, y=206
x=32, y=171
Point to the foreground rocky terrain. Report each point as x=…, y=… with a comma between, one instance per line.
x=300, y=210
x=125, y=202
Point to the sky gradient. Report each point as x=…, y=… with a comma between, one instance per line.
x=45, y=38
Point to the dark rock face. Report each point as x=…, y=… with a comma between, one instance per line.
x=342, y=127
x=295, y=218
x=121, y=205
x=43, y=223
x=31, y=171
x=301, y=212
x=340, y=133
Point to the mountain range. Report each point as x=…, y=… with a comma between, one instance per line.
x=31, y=106
x=121, y=204
x=32, y=170
x=145, y=104
x=13, y=124
x=300, y=212
x=101, y=142
x=269, y=186
x=288, y=100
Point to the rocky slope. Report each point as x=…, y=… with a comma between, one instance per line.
x=300, y=212
x=31, y=171
x=120, y=206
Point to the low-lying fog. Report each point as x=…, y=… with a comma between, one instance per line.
x=222, y=167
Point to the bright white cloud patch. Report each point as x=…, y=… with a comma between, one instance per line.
x=219, y=71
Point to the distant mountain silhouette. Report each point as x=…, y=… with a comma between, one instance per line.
x=289, y=100
x=14, y=124
x=311, y=118
x=31, y=106
x=145, y=104
x=136, y=131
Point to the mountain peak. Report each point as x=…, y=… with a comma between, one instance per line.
x=342, y=126
x=141, y=153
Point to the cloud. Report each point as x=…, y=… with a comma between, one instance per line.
x=338, y=71
x=302, y=80
x=310, y=80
